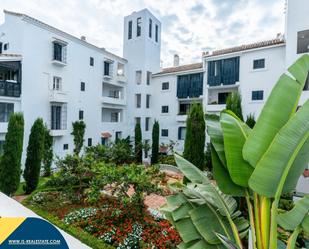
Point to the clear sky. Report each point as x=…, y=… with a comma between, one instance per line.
x=189, y=27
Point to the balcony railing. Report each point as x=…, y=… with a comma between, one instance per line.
x=10, y=89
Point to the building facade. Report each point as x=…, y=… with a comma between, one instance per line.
x=45, y=72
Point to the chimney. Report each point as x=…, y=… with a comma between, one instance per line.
x=176, y=60
x=83, y=38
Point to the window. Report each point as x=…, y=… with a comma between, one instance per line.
x=147, y=122
x=89, y=141
x=157, y=33
x=114, y=117
x=118, y=135
x=184, y=108
x=306, y=86
x=57, y=82
x=107, y=71
x=148, y=78
x=6, y=46
x=148, y=101
x=181, y=133
x=82, y=86
x=91, y=61
x=150, y=28
x=222, y=97
x=164, y=132
x=260, y=63
x=257, y=95
x=165, y=85
x=130, y=30
x=138, y=26
x=120, y=69
x=164, y=109
x=103, y=140
x=65, y=146
x=6, y=110
x=190, y=85
x=138, y=100
x=81, y=115
x=137, y=120
x=0, y=47
x=138, y=77
x=56, y=117
x=303, y=41
x=59, y=51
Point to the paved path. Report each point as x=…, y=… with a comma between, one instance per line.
x=11, y=208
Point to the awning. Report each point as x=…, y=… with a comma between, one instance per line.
x=106, y=135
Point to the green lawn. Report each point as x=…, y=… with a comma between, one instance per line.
x=20, y=190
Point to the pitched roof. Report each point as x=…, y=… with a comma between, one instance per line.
x=182, y=68
x=240, y=48
x=47, y=26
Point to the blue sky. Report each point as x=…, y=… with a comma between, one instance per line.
x=188, y=26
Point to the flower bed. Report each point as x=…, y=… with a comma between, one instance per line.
x=110, y=221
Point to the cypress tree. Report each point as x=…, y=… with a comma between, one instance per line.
x=233, y=103
x=195, y=136
x=250, y=121
x=10, y=165
x=155, y=143
x=48, y=152
x=78, y=135
x=138, y=145
x=35, y=151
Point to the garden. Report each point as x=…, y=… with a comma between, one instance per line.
x=243, y=181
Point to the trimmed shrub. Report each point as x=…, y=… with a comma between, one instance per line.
x=233, y=103
x=138, y=144
x=78, y=133
x=48, y=152
x=10, y=165
x=195, y=137
x=155, y=143
x=35, y=151
x=250, y=120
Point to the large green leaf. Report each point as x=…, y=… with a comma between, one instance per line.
x=194, y=174
x=293, y=218
x=214, y=131
x=222, y=177
x=272, y=170
x=279, y=107
x=235, y=133
x=305, y=225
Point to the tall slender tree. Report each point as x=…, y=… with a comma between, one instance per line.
x=195, y=136
x=10, y=165
x=35, y=151
x=138, y=144
x=155, y=143
x=48, y=152
x=250, y=121
x=233, y=103
x=78, y=133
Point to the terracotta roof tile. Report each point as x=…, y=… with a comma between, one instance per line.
x=182, y=68
x=245, y=47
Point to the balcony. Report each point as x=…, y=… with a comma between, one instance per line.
x=3, y=127
x=121, y=79
x=181, y=118
x=113, y=101
x=58, y=96
x=215, y=108
x=10, y=89
x=58, y=133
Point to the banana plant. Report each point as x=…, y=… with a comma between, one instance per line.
x=262, y=163
x=258, y=164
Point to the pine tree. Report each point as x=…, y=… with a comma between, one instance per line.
x=155, y=143
x=138, y=145
x=78, y=133
x=10, y=165
x=233, y=103
x=35, y=151
x=195, y=137
x=48, y=152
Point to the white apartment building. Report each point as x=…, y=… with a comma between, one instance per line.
x=45, y=72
